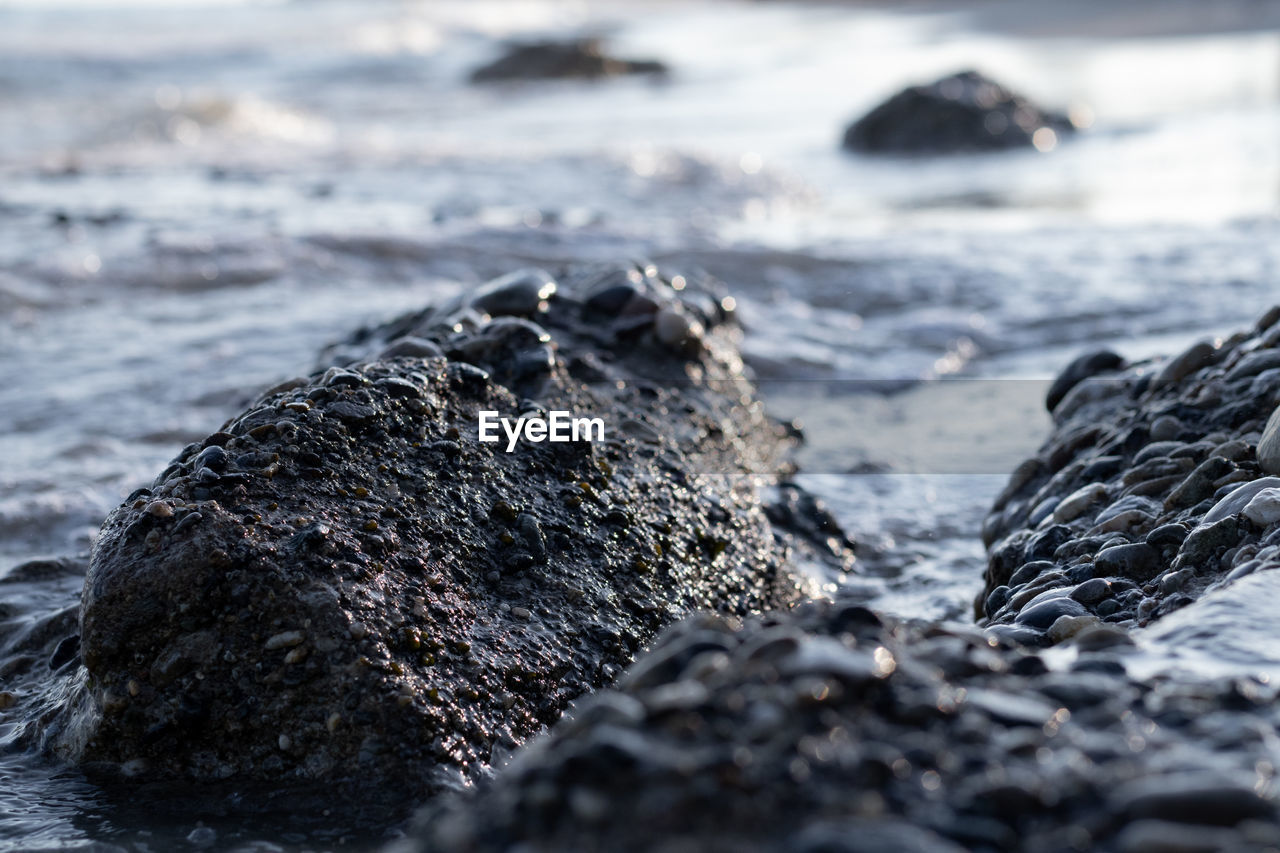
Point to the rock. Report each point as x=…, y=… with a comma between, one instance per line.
x=403, y=601
x=1138, y=561
x=1043, y=615
x=1269, y=445
x=1161, y=836
x=960, y=113
x=1195, y=798
x=977, y=746
x=1078, y=502
x=1235, y=501
x=1264, y=508
x=581, y=59
x=1157, y=474
x=1089, y=364
x=1198, y=355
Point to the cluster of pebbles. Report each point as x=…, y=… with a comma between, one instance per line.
x=344, y=587
x=831, y=729
x=1158, y=484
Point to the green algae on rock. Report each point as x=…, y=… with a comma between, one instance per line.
x=344, y=586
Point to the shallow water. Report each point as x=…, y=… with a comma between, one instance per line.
x=193, y=203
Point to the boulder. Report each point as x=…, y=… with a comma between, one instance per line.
x=581, y=59
x=964, y=112
x=344, y=586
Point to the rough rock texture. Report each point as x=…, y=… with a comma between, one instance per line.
x=1148, y=493
x=830, y=730
x=552, y=60
x=344, y=586
x=964, y=112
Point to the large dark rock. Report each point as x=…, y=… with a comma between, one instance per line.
x=961, y=113
x=1149, y=492
x=343, y=585
x=582, y=59
x=830, y=730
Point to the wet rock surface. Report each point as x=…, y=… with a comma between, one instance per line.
x=1153, y=490
x=582, y=59
x=964, y=112
x=344, y=586
x=832, y=729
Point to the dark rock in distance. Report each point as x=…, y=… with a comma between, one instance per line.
x=353, y=590
x=965, y=112
x=581, y=59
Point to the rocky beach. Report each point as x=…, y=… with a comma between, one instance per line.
x=935, y=357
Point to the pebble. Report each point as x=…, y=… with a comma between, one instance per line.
x=1195, y=798
x=1065, y=627
x=1162, y=836
x=1078, y=502
x=1264, y=508
x=1166, y=428
x=1137, y=561
x=675, y=328
x=1195, y=357
x=1044, y=614
x=411, y=347
x=1238, y=498
x=1254, y=363
x=1269, y=445
x=1081, y=368
x=284, y=640
x=521, y=293
x=1092, y=591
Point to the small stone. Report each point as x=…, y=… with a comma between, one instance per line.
x=1254, y=363
x=1174, y=581
x=1264, y=508
x=358, y=630
x=521, y=293
x=1234, y=502
x=285, y=639
x=1166, y=428
x=1098, y=637
x=521, y=613
x=1044, y=614
x=284, y=741
x=1195, y=357
x=1081, y=368
x=1009, y=708
x=411, y=347
x=351, y=413
x=7, y=700
x=1269, y=445
x=1091, y=591
x=675, y=328
x=1066, y=627
x=1136, y=562
x=1162, y=836
x=1167, y=536
x=1191, y=798
x=159, y=509
x=1076, y=503
x=202, y=836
